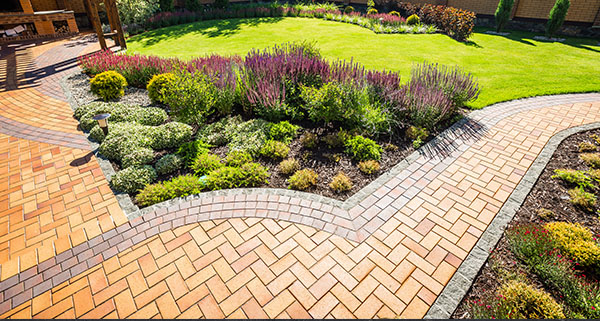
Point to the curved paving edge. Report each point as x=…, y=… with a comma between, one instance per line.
x=368, y=209
x=458, y=286
x=17, y=129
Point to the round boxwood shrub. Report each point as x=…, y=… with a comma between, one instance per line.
x=138, y=156
x=206, y=163
x=372, y=11
x=361, y=148
x=413, y=20
x=394, y=13
x=133, y=179
x=303, y=179
x=157, y=84
x=168, y=164
x=108, y=85
x=348, y=9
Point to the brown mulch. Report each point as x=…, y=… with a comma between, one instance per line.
x=547, y=193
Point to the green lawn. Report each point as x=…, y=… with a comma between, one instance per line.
x=507, y=67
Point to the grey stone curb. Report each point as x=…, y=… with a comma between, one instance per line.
x=458, y=286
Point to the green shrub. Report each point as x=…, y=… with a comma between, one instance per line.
x=133, y=179
x=334, y=102
x=587, y=147
x=394, y=13
x=249, y=175
x=557, y=16
x=309, y=140
x=172, y=135
x=417, y=135
x=191, y=97
x=108, y=85
x=336, y=140
x=413, y=20
x=283, y=131
x=275, y=149
x=348, y=9
x=583, y=199
x=369, y=166
x=180, y=186
x=189, y=151
x=221, y=4
x=372, y=11
x=193, y=5
x=340, y=183
x=502, y=14
x=303, y=179
x=206, y=163
x=289, y=166
x=151, y=116
x=168, y=164
x=573, y=177
x=157, y=86
x=137, y=157
x=237, y=158
x=96, y=134
x=592, y=159
x=361, y=148
x=576, y=241
x=247, y=136
x=136, y=11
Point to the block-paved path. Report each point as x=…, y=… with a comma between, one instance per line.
x=261, y=254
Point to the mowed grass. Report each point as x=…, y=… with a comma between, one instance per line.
x=507, y=68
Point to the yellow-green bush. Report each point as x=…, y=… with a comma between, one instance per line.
x=369, y=166
x=289, y=166
x=592, y=159
x=413, y=20
x=303, y=179
x=157, y=84
x=583, y=199
x=587, y=147
x=527, y=302
x=576, y=241
x=394, y=13
x=340, y=183
x=108, y=85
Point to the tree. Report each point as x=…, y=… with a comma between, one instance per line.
x=557, y=17
x=166, y=5
x=503, y=13
x=136, y=11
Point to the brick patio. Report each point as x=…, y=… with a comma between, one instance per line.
x=68, y=250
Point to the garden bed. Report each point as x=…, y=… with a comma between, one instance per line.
x=549, y=201
x=282, y=117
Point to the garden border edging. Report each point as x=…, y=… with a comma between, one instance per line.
x=460, y=283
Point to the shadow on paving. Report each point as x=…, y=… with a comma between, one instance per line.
x=211, y=28
x=466, y=130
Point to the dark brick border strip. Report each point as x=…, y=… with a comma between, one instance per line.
x=458, y=286
x=17, y=129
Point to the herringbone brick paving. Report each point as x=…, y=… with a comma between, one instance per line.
x=162, y=265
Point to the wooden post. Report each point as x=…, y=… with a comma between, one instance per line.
x=111, y=8
x=92, y=9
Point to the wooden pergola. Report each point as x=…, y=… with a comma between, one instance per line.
x=91, y=7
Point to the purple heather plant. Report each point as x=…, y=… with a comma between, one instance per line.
x=461, y=87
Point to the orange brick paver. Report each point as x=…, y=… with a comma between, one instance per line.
x=161, y=265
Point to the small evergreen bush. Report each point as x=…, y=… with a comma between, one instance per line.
x=361, y=148
x=583, y=199
x=238, y=158
x=108, y=85
x=557, y=17
x=340, y=183
x=206, y=163
x=573, y=177
x=309, y=140
x=275, y=150
x=303, y=179
x=502, y=14
x=157, y=86
x=576, y=241
x=283, y=131
x=369, y=166
x=289, y=166
x=413, y=20
x=180, y=186
x=168, y=164
x=133, y=179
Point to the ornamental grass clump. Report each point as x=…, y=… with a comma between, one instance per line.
x=340, y=183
